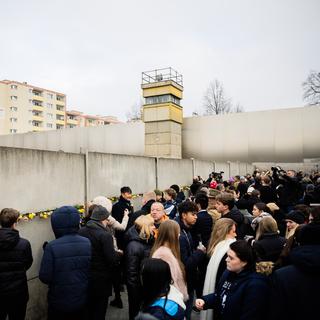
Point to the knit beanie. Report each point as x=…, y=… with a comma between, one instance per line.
x=296, y=216
x=99, y=213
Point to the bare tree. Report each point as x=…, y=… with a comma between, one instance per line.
x=311, y=88
x=135, y=113
x=215, y=100
x=238, y=108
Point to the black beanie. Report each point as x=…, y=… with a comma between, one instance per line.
x=296, y=216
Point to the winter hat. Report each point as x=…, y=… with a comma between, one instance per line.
x=99, y=213
x=103, y=201
x=272, y=206
x=296, y=216
x=309, y=234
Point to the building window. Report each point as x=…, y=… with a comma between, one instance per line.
x=37, y=93
x=30, y=90
x=13, y=97
x=13, y=130
x=60, y=118
x=49, y=125
x=162, y=99
x=13, y=119
x=30, y=121
x=36, y=103
x=60, y=108
x=13, y=109
x=50, y=95
x=60, y=98
x=49, y=105
x=50, y=115
x=59, y=126
x=14, y=86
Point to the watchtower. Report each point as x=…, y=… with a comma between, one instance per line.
x=162, y=112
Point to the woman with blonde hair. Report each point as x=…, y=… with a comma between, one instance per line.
x=268, y=244
x=139, y=243
x=223, y=234
x=166, y=247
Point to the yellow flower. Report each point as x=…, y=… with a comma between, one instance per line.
x=81, y=210
x=31, y=216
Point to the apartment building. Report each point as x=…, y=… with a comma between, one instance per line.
x=25, y=108
x=78, y=119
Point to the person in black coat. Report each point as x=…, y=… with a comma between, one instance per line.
x=102, y=262
x=226, y=206
x=65, y=267
x=295, y=290
x=242, y=293
x=267, y=192
x=269, y=244
x=191, y=257
x=15, y=259
x=139, y=240
x=118, y=212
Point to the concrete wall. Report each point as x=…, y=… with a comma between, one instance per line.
x=108, y=172
x=286, y=135
x=305, y=167
x=122, y=138
x=203, y=168
x=37, y=232
x=38, y=180
x=171, y=171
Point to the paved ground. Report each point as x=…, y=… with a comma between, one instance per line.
x=122, y=314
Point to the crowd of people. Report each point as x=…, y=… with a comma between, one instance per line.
x=244, y=248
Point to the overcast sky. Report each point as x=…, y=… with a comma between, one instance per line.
x=94, y=51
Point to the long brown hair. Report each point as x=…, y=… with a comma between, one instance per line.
x=220, y=230
x=168, y=236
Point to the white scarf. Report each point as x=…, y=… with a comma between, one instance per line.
x=210, y=282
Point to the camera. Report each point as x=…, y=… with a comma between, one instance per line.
x=218, y=176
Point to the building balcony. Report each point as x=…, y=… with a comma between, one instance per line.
x=37, y=108
x=37, y=98
x=72, y=121
x=61, y=112
x=60, y=122
x=35, y=128
x=37, y=118
x=60, y=102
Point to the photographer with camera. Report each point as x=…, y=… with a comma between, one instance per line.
x=288, y=188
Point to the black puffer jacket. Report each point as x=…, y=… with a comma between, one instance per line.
x=15, y=260
x=136, y=250
x=103, y=257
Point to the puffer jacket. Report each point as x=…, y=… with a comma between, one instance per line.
x=103, y=257
x=137, y=249
x=66, y=262
x=15, y=260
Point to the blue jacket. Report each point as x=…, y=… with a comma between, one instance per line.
x=66, y=262
x=243, y=296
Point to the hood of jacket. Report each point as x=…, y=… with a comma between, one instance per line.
x=65, y=220
x=306, y=258
x=8, y=238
